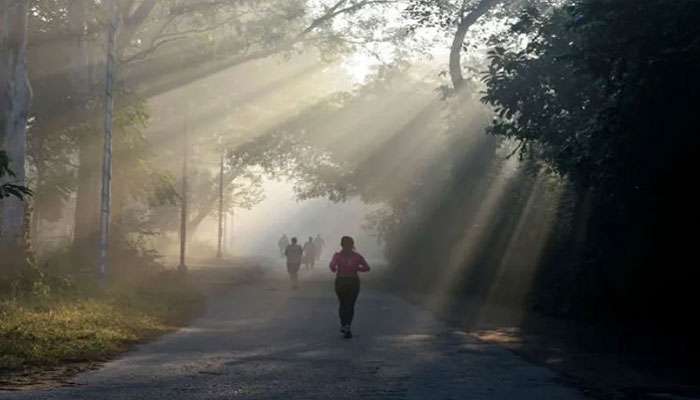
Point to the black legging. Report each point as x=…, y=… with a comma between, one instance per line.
x=347, y=289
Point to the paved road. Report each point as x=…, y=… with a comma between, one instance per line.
x=265, y=341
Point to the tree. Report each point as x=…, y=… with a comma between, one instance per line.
x=603, y=93
x=15, y=97
x=446, y=14
x=106, y=195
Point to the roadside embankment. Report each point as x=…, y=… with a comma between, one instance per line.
x=46, y=338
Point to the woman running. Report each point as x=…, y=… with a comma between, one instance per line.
x=346, y=264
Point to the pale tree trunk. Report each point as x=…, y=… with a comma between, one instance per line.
x=456, y=56
x=15, y=98
x=106, y=193
x=94, y=192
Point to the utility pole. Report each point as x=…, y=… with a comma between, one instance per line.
x=219, y=251
x=225, y=235
x=231, y=225
x=182, y=267
x=106, y=194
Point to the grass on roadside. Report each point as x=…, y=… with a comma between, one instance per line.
x=79, y=327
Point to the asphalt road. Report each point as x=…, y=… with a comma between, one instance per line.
x=266, y=341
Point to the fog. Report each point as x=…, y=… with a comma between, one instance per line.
x=501, y=161
x=309, y=146
x=255, y=232
x=236, y=106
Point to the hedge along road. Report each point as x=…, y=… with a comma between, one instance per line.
x=266, y=341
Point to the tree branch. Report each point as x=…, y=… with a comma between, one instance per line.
x=336, y=10
x=465, y=22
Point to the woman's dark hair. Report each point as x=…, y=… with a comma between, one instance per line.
x=347, y=243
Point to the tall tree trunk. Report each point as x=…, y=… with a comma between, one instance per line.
x=90, y=205
x=466, y=20
x=106, y=194
x=15, y=99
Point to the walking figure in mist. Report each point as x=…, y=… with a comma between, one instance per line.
x=309, y=254
x=282, y=244
x=319, y=244
x=346, y=264
x=293, y=252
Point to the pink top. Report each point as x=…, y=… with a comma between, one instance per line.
x=348, y=264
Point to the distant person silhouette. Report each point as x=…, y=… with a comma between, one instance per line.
x=319, y=244
x=282, y=244
x=293, y=252
x=346, y=264
x=309, y=254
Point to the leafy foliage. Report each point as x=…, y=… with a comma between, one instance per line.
x=429, y=13
x=10, y=189
x=604, y=93
x=595, y=86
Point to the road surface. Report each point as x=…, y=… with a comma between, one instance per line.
x=266, y=341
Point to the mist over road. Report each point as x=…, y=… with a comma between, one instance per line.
x=265, y=341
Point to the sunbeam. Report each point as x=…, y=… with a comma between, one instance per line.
x=345, y=199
